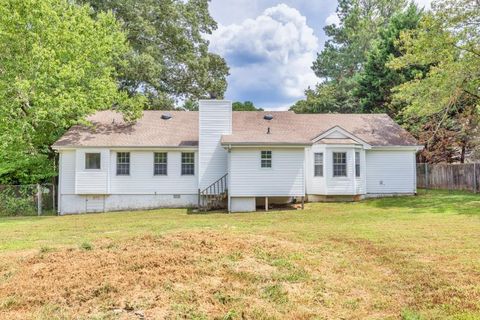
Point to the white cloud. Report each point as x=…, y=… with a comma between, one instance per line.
x=332, y=19
x=424, y=4
x=269, y=56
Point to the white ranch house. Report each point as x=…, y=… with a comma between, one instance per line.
x=241, y=160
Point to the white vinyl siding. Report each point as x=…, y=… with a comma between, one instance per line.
x=390, y=171
x=143, y=181
x=328, y=184
x=360, y=182
x=67, y=172
x=340, y=185
x=315, y=184
x=285, y=178
x=215, y=120
x=91, y=181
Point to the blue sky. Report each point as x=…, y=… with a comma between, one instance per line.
x=270, y=46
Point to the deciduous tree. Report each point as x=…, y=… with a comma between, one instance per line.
x=57, y=65
x=169, y=61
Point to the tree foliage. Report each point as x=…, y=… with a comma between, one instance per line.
x=345, y=54
x=375, y=82
x=245, y=106
x=169, y=60
x=57, y=65
x=448, y=39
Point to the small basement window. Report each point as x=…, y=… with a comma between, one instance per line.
x=188, y=163
x=318, y=164
x=339, y=164
x=266, y=159
x=160, y=163
x=123, y=163
x=357, y=164
x=92, y=161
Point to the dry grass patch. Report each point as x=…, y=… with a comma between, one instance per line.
x=200, y=275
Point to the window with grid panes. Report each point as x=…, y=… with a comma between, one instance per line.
x=266, y=159
x=123, y=163
x=160, y=163
x=357, y=164
x=318, y=164
x=188, y=163
x=339, y=164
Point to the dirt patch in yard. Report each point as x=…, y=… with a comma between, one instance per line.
x=227, y=276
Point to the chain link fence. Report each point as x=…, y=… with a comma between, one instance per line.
x=28, y=200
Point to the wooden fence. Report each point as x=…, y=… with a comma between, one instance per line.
x=462, y=176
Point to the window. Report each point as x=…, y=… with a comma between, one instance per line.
x=357, y=164
x=123, y=163
x=92, y=161
x=188, y=163
x=266, y=159
x=318, y=164
x=160, y=163
x=339, y=164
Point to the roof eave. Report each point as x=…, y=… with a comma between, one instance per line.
x=70, y=147
x=264, y=144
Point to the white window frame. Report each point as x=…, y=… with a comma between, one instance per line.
x=99, y=163
x=266, y=159
x=186, y=156
x=358, y=171
x=318, y=163
x=163, y=164
x=343, y=164
x=127, y=164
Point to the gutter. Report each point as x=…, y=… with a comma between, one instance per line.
x=59, y=148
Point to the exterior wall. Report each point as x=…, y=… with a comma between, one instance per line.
x=340, y=185
x=242, y=204
x=91, y=181
x=215, y=120
x=80, y=191
x=142, y=180
x=315, y=185
x=285, y=178
x=67, y=172
x=391, y=171
x=361, y=182
x=328, y=184
x=72, y=204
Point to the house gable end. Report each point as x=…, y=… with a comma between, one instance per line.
x=338, y=132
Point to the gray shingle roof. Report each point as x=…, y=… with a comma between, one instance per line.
x=109, y=129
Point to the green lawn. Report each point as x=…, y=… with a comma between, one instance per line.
x=412, y=258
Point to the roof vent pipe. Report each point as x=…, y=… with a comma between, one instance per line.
x=268, y=130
